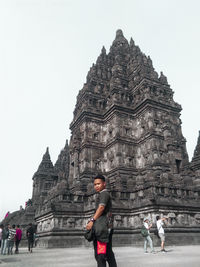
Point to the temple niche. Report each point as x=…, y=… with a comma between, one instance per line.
x=127, y=126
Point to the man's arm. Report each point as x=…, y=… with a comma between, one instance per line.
x=149, y=226
x=97, y=214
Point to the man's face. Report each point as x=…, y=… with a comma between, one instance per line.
x=99, y=185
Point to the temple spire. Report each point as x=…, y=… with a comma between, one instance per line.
x=120, y=43
x=103, y=50
x=62, y=163
x=132, y=43
x=163, y=78
x=46, y=164
x=196, y=157
x=119, y=33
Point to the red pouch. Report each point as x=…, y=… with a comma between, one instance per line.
x=101, y=247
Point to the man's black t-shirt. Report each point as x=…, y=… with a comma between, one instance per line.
x=104, y=199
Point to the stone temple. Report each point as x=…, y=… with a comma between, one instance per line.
x=127, y=126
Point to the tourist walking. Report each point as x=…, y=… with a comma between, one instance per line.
x=101, y=223
x=30, y=236
x=18, y=239
x=4, y=241
x=147, y=239
x=161, y=232
x=1, y=229
x=11, y=238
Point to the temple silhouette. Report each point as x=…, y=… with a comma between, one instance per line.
x=127, y=126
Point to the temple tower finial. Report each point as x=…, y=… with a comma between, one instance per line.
x=119, y=33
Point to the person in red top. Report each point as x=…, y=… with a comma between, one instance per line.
x=18, y=238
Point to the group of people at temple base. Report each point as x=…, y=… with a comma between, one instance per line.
x=160, y=232
x=10, y=237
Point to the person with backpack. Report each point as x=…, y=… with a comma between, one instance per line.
x=147, y=239
x=11, y=238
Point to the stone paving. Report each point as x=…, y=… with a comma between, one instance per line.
x=176, y=256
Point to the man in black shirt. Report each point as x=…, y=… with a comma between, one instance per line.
x=30, y=236
x=101, y=223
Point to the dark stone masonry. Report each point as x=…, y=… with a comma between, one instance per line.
x=127, y=126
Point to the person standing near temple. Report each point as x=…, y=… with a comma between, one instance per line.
x=18, y=239
x=147, y=239
x=161, y=232
x=30, y=236
x=101, y=222
x=1, y=229
x=11, y=238
x=4, y=241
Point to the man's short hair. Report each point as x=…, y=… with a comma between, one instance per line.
x=157, y=218
x=100, y=176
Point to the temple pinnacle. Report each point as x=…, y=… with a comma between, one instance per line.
x=119, y=33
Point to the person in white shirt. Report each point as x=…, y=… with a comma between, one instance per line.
x=161, y=231
x=147, y=239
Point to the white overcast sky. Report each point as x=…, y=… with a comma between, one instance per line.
x=46, y=50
